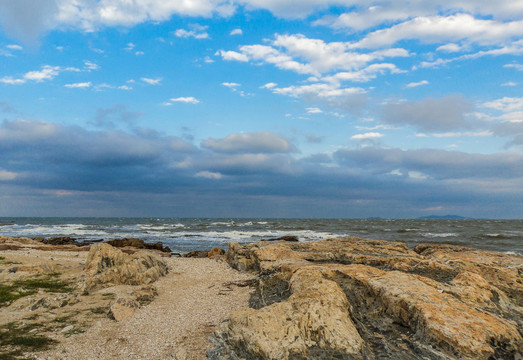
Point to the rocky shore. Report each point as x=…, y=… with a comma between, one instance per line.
x=367, y=299
x=335, y=299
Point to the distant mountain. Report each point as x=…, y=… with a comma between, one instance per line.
x=454, y=217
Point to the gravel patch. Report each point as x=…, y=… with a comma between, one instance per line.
x=193, y=299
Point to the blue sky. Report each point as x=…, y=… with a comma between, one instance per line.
x=261, y=108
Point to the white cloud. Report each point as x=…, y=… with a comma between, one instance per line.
x=506, y=104
x=79, y=85
x=365, y=18
x=187, y=100
x=91, y=66
x=509, y=83
x=309, y=56
x=7, y=175
x=467, y=134
x=319, y=90
x=417, y=175
x=47, y=73
x=383, y=127
x=514, y=48
x=209, y=175
x=11, y=81
x=437, y=29
x=232, y=56
x=152, y=81
x=366, y=136
x=125, y=87
x=29, y=20
x=269, y=85
x=5, y=53
x=236, y=32
x=198, y=32
x=518, y=67
x=449, y=48
x=416, y=84
x=313, y=110
x=130, y=46
x=14, y=47
x=139, y=53
x=364, y=75
x=230, y=84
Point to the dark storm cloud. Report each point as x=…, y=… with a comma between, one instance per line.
x=52, y=143
x=430, y=114
x=510, y=129
x=58, y=169
x=438, y=164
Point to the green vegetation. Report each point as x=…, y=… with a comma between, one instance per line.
x=15, y=339
x=100, y=310
x=25, y=287
x=3, y=261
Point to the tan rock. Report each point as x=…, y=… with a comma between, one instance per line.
x=500, y=270
x=107, y=266
x=145, y=294
x=123, y=308
x=437, y=302
x=436, y=317
x=313, y=323
x=214, y=252
x=19, y=240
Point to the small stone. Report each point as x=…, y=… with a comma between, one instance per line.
x=67, y=328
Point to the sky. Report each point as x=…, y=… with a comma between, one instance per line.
x=261, y=108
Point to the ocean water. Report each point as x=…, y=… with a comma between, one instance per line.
x=198, y=234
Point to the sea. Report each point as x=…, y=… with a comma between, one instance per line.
x=187, y=234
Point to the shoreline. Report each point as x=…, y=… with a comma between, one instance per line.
x=200, y=306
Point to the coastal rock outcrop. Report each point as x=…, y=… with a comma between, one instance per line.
x=108, y=266
x=138, y=244
x=368, y=299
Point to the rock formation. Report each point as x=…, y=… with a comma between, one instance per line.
x=367, y=299
x=108, y=266
x=138, y=244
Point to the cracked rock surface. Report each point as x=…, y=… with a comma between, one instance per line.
x=368, y=299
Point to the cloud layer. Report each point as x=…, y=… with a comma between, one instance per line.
x=65, y=161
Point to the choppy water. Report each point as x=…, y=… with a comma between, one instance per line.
x=194, y=234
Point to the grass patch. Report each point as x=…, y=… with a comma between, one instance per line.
x=100, y=310
x=10, y=293
x=49, y=284
x=64, y=319
x=16, y=339
x=25, y=287
x=3, y=261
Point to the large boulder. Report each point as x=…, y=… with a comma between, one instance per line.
x=314, y=322
x=108, y=266
x=353, y=298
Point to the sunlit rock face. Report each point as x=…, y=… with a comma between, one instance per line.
x=366, y=299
